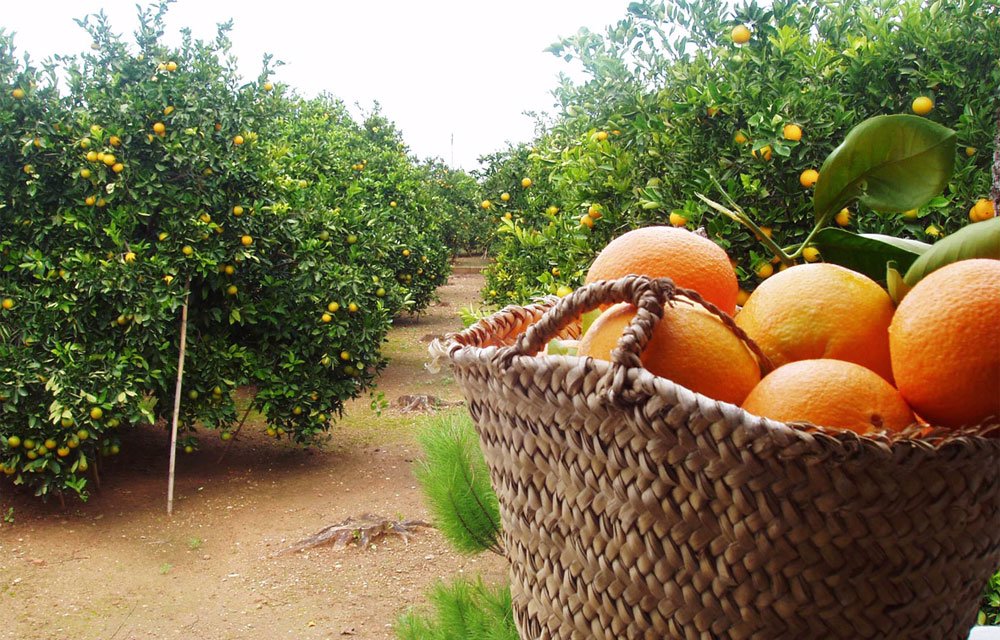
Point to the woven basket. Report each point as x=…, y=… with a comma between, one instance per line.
x=635, y=508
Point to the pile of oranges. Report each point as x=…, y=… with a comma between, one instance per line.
x=844, y=355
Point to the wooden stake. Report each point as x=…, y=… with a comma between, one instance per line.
x=177, y=399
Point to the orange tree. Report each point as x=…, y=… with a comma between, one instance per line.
x=545, y=234
x=161, y=173
x=674, y=106
x=457, y=197
x=378, y=207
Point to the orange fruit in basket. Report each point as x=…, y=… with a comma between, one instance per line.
x=693, y=262
x=690, y=346
x=830, y=393
x=945, y=344
x=820, y=310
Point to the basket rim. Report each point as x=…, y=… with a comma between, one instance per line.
x=462, y=346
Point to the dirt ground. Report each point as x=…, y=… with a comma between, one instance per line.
x=118, y=568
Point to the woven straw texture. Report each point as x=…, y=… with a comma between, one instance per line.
x=635, y=508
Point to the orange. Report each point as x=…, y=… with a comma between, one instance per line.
x=922, y=105
x=945, y=345
x=690, y=346
x=792, y=132
x=830, y=393
x=693, y=262
x=820, y=310
x=810, y=254
x=982, y=210
x=808, y=178
x=765, y=152
x=740, y=34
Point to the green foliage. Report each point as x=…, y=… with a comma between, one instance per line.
x=979, y=240
x=889, y=163
x=867, y=253
x=298, y=232
x=456, y=485
x=671, y=107
x=465, y=226
x=462, y=610
x=989, y=610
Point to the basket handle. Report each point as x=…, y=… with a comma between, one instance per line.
x=647, y=294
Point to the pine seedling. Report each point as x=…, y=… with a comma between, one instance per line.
x=456, y=485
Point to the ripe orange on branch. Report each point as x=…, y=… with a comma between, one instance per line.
x=765, y=152
x=693, y=262
x=740, y=34
x=792, y=132
x=982, y=210
x=922, y=105
x=808, y=178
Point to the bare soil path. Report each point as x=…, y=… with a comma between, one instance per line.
x=118, y=568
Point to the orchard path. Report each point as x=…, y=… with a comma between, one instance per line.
x=117, y=567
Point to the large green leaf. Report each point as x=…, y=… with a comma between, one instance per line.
x=978, y=240
x=867, y=253
x=890, y=163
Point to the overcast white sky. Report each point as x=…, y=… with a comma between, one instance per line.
x=438, y=67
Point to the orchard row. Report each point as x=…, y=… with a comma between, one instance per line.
x=156, y=176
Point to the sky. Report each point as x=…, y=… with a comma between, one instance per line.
x=439, y=68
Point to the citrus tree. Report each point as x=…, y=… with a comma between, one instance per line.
x=160, y=177
x=693, y=97
x=382, y=209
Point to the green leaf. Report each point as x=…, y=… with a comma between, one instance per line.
x=867, y=253
x=588, y=319
x=890, y=163
x=894, y=282
x=977, y=240
x=558, y=347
